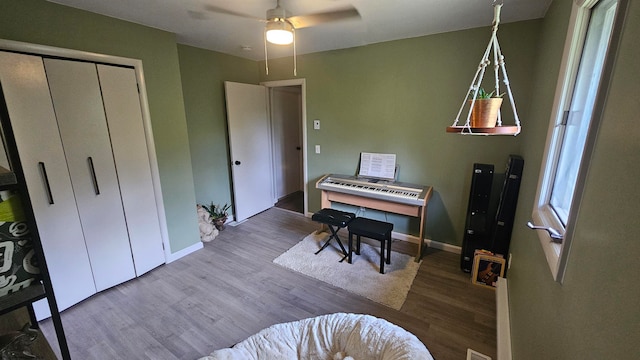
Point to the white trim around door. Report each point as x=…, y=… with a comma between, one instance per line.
x=303, y=86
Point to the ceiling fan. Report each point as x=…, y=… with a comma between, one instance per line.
x=281, y=24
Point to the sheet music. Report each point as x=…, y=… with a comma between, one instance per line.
x=378, y=165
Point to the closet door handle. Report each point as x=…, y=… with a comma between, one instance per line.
x=93, y=175
x=43, y=172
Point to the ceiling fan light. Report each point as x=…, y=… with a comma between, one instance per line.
x=279, y=32
x=280, y=37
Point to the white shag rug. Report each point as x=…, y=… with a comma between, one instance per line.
x=362, y=277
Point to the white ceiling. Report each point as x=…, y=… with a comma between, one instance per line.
x=381, y=20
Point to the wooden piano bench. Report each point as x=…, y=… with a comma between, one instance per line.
x=373, y=229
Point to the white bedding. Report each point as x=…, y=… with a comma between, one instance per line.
x=329, y=337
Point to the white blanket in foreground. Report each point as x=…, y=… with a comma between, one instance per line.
x=338, y=336
x=362, y=277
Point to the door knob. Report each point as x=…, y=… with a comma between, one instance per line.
x=298, y=147
x=237, y=162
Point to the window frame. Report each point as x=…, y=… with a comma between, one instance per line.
x=557, y=255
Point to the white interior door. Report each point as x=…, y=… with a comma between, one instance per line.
x=77, y=100
x=36, y=131
x=124, y=116
x=250, y=148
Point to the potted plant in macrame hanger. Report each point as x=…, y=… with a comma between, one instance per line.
x=484, y=113
x=218, y=213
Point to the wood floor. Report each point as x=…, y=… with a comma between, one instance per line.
x=230, y=290
x=292, y=202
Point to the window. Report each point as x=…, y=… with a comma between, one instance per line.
x=580, y=95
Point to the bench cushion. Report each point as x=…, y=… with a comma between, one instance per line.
x=370, y=228
x=333, y=217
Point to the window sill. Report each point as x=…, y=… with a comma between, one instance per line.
x=552, y=250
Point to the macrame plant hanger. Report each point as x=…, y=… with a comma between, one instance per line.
x=493, y=48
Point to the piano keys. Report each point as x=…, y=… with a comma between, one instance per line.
x=389, y=196
x=385, y=190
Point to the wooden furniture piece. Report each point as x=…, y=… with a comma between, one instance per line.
x=335, y=220
x=410, y=200
x=373, y=229
x=24, y=294
x=496, y=130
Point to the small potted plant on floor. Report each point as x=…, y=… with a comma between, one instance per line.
x=485, y=108
x=219, y=214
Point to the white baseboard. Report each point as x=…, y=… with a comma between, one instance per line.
x=503, y=322
x=184, y=252
x=474, y=355
x=430, y=243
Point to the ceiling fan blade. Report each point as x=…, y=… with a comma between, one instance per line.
x=220, y=10
x=303, y=21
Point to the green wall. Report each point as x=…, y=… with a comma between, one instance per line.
x=398, y=97
x=594, y=313
x=203, y=75
x=41, y=22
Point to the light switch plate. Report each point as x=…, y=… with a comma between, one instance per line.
x=316, y=124
x=317, y=149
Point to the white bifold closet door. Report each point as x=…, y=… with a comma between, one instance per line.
x=124, y=116
x=82, y=144
x=43, y=161
x=77, y=101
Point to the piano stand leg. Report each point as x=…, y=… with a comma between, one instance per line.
x=334, y=235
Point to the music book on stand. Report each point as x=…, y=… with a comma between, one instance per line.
x=378, y=166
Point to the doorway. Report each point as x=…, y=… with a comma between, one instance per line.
x=288, y=131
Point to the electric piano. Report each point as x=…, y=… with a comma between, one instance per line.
x=390, y=196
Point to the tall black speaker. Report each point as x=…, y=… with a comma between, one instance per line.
x=506, y=212
x=476, y=232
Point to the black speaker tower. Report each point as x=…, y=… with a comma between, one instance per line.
x=477, y=230
x=501, y=236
